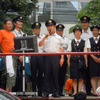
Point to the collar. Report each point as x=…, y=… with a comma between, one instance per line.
x=86, y=31
x=96, y=37
x=17, y=30
x=36, y=35
x=63, y=36
x=7, y=31
x=39, y=36
x=77, y=40
x=54, y=34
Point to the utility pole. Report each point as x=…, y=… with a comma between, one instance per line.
x=79, y=5
x=51, y=12
x=36, y=13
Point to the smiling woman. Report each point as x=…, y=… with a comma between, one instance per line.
x=93, y=44
x=75, y=62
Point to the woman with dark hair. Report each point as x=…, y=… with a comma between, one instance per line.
x=93, y=45
x=77, y=74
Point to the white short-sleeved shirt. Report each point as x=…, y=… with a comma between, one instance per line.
x=65, y=43
x=18, y=33
x=88, y=42
x=86, y=34
x=53, y=43
x=70, y=46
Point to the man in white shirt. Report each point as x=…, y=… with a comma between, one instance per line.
x=62, y=70
x=86, y=34
x=52, y=43
x=18, y=22
x=37, y=62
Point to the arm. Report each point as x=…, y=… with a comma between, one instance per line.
x=13, y=49
x=69, y=49
x=94, y=57
x=89, y=50
x=85, y=56
x=62, y=57
x=1, y=37
x=43, y=40
x=68, y=61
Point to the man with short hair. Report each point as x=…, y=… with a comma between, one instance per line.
x=62, y=70
x=7, y=46
x=86, y=34
x=37, y=62
x=52, y=42
x=18, y=22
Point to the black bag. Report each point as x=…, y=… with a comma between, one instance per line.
x=81, y=64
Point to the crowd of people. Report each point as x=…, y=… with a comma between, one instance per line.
x=48, y=72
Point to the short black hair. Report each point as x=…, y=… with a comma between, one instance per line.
x=77, y=28
x=6, y=20
x=80, y=96
x=94, y=26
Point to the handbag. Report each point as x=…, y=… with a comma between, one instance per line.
x=81, y=64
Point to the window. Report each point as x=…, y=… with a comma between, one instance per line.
x=44, y=11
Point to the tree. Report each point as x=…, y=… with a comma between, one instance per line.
x=13, y=8
x=92, y=10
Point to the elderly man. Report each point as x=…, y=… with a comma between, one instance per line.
x=7, y=46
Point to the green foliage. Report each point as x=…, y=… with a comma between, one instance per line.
x=92, y=10
x=13, y=8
